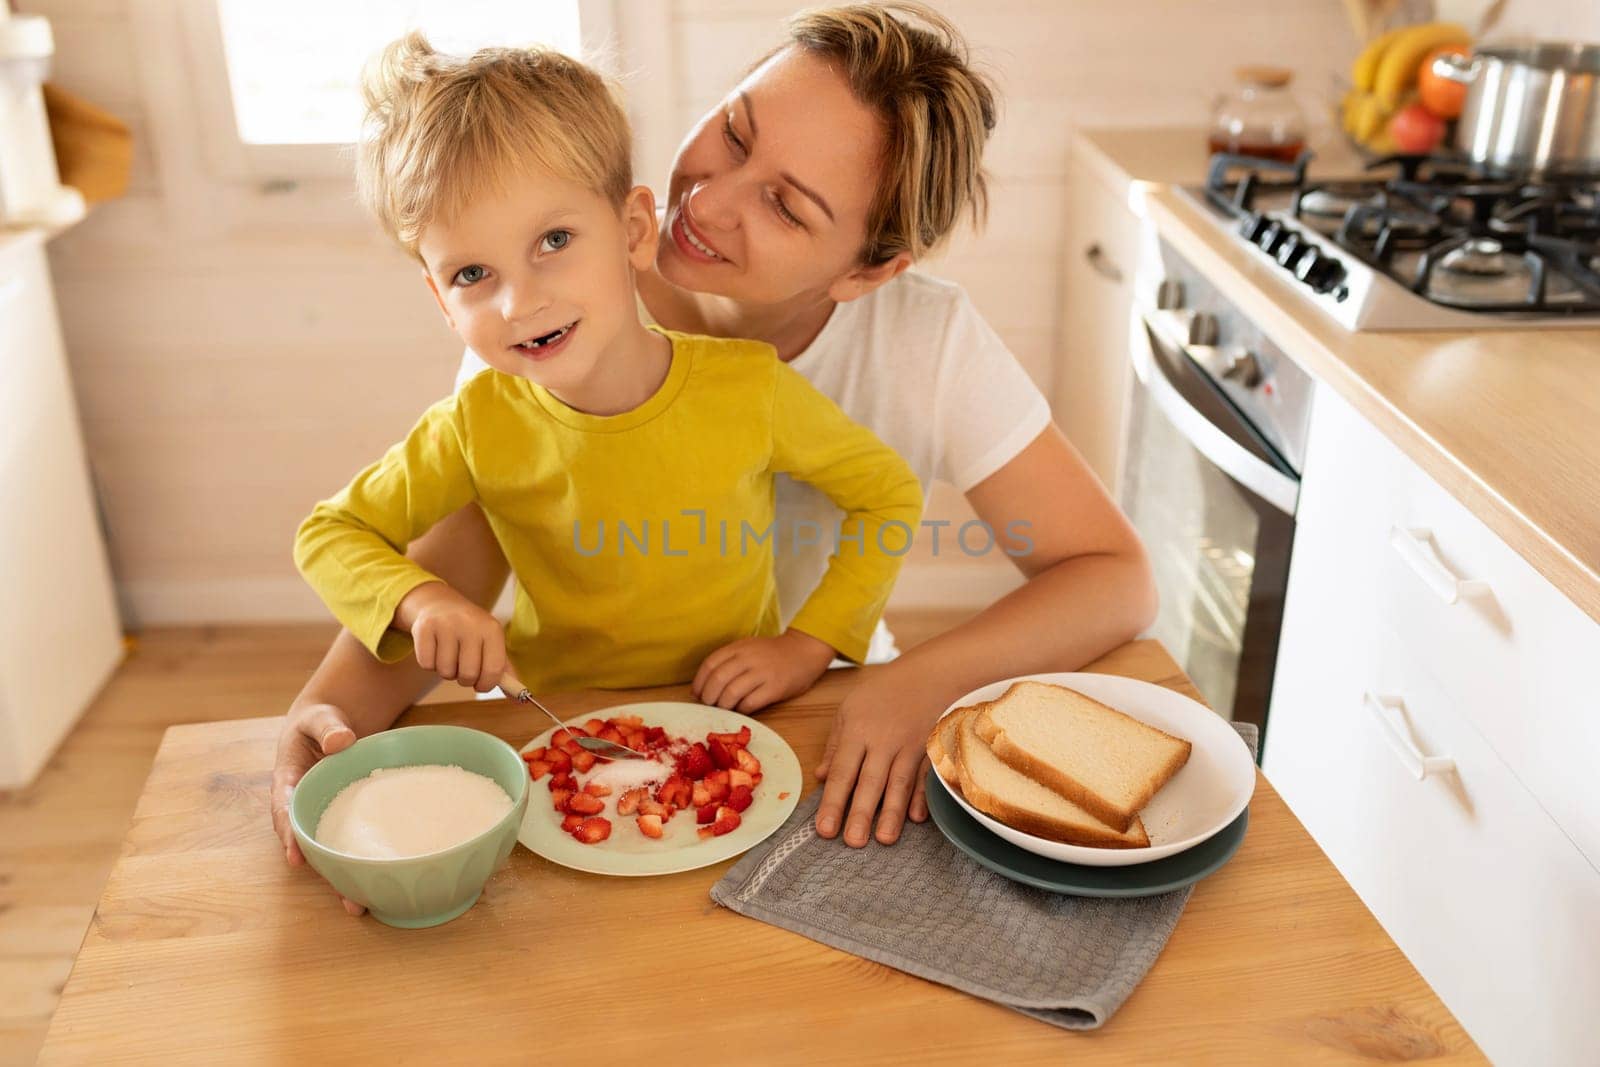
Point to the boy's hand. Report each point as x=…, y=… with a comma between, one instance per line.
x=876, y=755
x=753, y=672
x=308, y=735
x=453, y=636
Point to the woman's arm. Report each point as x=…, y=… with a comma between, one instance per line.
x=1089, y=590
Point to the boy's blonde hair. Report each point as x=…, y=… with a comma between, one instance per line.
x=442, y=128
x=910, y=64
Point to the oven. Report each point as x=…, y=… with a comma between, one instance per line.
x=1210, y=477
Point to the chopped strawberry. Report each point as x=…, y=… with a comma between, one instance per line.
x=650, y=826
x=559, y=798
x=722, y=753
x=628, y=803
x=535, y=753
x=582, y=761
x=565, y=736
x=595, y=789
x=717, y=789
x=571, y=747
x=696, y=763
x=584, y=804
x=537, y=769
x=704, y=831
x=783, y=795
x=612, y=734
x=719, y=775
x=558, y=759
x=734, y=740
x=701, y=796
x=746, y=762
x=594, y=726
x=726, y=822
x=631, y=721
x=738, y=778
x=571, y=823
x=655, y=735
x=705, y=813
x=740, y=797
x=562, y=780
x=654, y=807
x=593, y=831
x=675, y=791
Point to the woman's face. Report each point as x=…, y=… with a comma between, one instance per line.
x=770, y=191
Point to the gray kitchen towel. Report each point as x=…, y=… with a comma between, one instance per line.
x=923, y=907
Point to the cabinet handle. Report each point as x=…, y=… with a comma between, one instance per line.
x=1404, y=746
x=9, y=290
x=1102, y=264
x=1409, y=544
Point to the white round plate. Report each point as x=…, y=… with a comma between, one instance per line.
x=1197, y=802
x=629, y=853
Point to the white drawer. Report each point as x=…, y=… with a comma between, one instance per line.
x=1515, y=655
x=1495, y=907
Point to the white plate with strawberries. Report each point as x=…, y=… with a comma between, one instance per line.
x=717, y=783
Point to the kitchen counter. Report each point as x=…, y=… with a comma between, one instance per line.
x=1508, y=421
x=204, y=939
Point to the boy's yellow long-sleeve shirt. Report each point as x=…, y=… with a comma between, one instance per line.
x=639, y=542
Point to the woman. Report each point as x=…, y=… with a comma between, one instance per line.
x=794, y=209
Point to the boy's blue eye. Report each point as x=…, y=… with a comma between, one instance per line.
x=469, y=275
x=556, y=240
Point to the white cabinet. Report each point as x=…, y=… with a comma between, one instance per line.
x=59, y=633
x=1101, y=254
x=1430, y=735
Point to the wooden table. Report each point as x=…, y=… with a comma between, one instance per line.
x=207, y=946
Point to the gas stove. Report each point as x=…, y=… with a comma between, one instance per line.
x=1422, y=243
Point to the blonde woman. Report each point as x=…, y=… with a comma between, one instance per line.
x=794, y=209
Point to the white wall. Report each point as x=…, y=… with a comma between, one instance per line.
x=239, y=351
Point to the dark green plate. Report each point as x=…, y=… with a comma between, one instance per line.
x=1020, y=865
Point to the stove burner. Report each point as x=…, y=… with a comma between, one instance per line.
x=1481, y=257
x=1328, y=203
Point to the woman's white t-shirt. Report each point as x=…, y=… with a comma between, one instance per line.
x=914, y=362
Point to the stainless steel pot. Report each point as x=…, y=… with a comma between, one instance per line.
x=1531, y=110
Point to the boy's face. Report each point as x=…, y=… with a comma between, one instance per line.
x=537, y=277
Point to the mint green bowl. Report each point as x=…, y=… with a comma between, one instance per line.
x=421, y=890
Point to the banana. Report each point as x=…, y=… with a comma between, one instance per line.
x=1397, y=71
x=1365, y=69
x=1370, y=118
x=1347, y=110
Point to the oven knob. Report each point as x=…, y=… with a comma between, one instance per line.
x=1287, y=249
x=1203, y=329
x=1244, y=368
x=1169, y=295
x=1269, y=236
x=1253, y=225
x=1305, y=264
x=1323, y=274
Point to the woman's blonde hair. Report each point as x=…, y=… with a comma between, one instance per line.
x=911, y=65
x=440, y=129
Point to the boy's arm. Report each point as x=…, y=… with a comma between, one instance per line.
x=814, y=441
x=351, y=548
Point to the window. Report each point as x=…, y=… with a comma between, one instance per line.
x=277, y=84
x=294, y=65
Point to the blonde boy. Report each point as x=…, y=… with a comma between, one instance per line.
x=627, y=471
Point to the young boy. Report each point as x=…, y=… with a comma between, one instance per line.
x=626, y=471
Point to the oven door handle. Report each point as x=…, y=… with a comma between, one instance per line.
x=1232, y=458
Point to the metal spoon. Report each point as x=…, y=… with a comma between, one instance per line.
x=598, y=745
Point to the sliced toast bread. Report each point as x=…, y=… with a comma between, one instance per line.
x=997, y=790
x=1108, y=763
x=941, y=745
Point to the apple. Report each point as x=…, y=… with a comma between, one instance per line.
x=1416, y=130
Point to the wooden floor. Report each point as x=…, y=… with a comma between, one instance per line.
x=60, y=836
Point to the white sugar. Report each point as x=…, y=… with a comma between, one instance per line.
x=398, y=812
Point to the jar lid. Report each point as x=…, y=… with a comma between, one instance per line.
x=26, y=37
x=1270, y=77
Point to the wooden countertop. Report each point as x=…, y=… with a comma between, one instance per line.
x=206, y=943
x=1508, y=421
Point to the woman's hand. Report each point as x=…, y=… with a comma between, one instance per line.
x=309, y=733
x=875, y=757
x=753, y=672
x=453, y=636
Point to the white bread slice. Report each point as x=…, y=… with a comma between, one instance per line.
x=941, y=745
x=999, y=791
x=1095, y=756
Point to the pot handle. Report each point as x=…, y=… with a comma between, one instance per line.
x=1457, y=68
